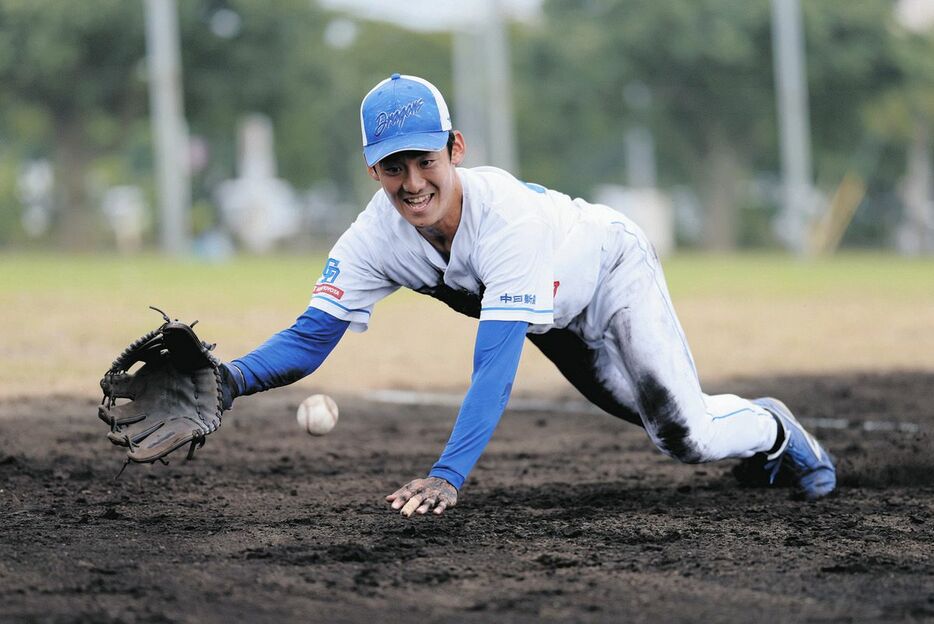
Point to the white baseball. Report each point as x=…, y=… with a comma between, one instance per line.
x=317, y=414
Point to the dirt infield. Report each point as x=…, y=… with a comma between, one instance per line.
x=568, y=517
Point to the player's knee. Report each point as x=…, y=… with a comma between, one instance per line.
x=676, y=440
x=667, y=425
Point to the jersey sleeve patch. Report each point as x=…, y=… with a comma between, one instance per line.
x=349, y=285
x=328, y=289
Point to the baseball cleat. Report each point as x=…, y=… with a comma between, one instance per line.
x=800, y=454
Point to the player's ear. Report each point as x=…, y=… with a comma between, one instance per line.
x=459, y=148
x=372, y=172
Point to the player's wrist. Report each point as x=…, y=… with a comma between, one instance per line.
x=452, y=478
x=230, y=386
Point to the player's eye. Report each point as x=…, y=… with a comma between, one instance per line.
x=428, y=162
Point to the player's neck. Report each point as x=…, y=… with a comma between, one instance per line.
x=441, y=234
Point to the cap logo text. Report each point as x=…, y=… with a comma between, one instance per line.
x=397, y=117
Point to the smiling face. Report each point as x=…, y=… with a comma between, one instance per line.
x=424, y=186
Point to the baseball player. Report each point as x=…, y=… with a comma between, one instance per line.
x=579, y=280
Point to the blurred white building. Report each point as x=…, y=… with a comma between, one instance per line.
x=435, y=15
x=124, y=208
x=648, y=207
x=258, y=208
x=34, y=188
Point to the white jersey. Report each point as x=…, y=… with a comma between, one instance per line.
x=521, y=253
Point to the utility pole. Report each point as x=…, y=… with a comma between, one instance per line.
x=470, y=94
x=794, y=127
x=483, y=89
x=168, y=125
x=502, y=137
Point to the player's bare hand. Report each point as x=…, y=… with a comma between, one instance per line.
x=423, y=495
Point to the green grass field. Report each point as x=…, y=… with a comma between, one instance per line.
x=259, y=279
x=64, y=317
x=244, y=281
x=873, y=275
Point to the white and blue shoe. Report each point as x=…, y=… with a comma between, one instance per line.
x=800, y=454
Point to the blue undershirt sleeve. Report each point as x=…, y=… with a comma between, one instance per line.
x=495, y=360
x=289, y=355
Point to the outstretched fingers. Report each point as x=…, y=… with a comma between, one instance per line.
x=423, y=495
x=413, y=504
x=399, y=497
x=428, y=504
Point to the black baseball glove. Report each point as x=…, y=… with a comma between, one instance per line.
x=175, y=397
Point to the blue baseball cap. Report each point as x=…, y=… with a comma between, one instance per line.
x=403, y=113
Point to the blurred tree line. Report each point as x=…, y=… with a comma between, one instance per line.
x=73, y=89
